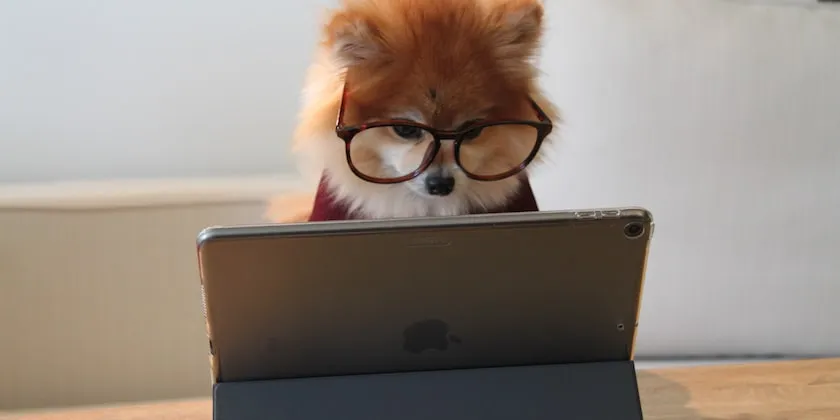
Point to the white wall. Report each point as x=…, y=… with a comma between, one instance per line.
x=101, y=89
x=720, y=116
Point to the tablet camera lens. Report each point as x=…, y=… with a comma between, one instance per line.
x=633, y=230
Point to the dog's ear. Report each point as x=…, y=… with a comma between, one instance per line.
x=352, y=37
x=518, y=28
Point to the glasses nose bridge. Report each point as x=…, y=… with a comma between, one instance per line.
x=446, y=135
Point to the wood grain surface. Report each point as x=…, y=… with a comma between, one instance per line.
x=797, y=390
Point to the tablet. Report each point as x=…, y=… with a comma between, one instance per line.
x=406, y=295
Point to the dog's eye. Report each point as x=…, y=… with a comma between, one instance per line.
x=469, y=132
x=472, y=134
x=408, y=132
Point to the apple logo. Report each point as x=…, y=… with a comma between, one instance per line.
x=430, y=334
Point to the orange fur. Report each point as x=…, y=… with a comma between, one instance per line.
x=291, y=208
x=476, y=55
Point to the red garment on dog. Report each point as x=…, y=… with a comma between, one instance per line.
x=326, y=207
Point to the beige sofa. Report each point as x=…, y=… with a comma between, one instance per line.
x=99, y=296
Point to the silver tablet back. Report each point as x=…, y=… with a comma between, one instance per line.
x=340, y=298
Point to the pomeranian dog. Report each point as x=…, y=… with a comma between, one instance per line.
x=422, y=108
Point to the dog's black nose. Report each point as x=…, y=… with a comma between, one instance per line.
x=439, y=184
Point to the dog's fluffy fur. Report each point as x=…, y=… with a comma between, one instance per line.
x=438, y=62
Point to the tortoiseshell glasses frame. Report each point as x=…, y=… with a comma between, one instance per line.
x=543, y=127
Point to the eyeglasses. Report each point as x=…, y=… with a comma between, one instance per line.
x=394, y=151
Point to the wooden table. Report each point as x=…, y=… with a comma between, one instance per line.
x=798, y=390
